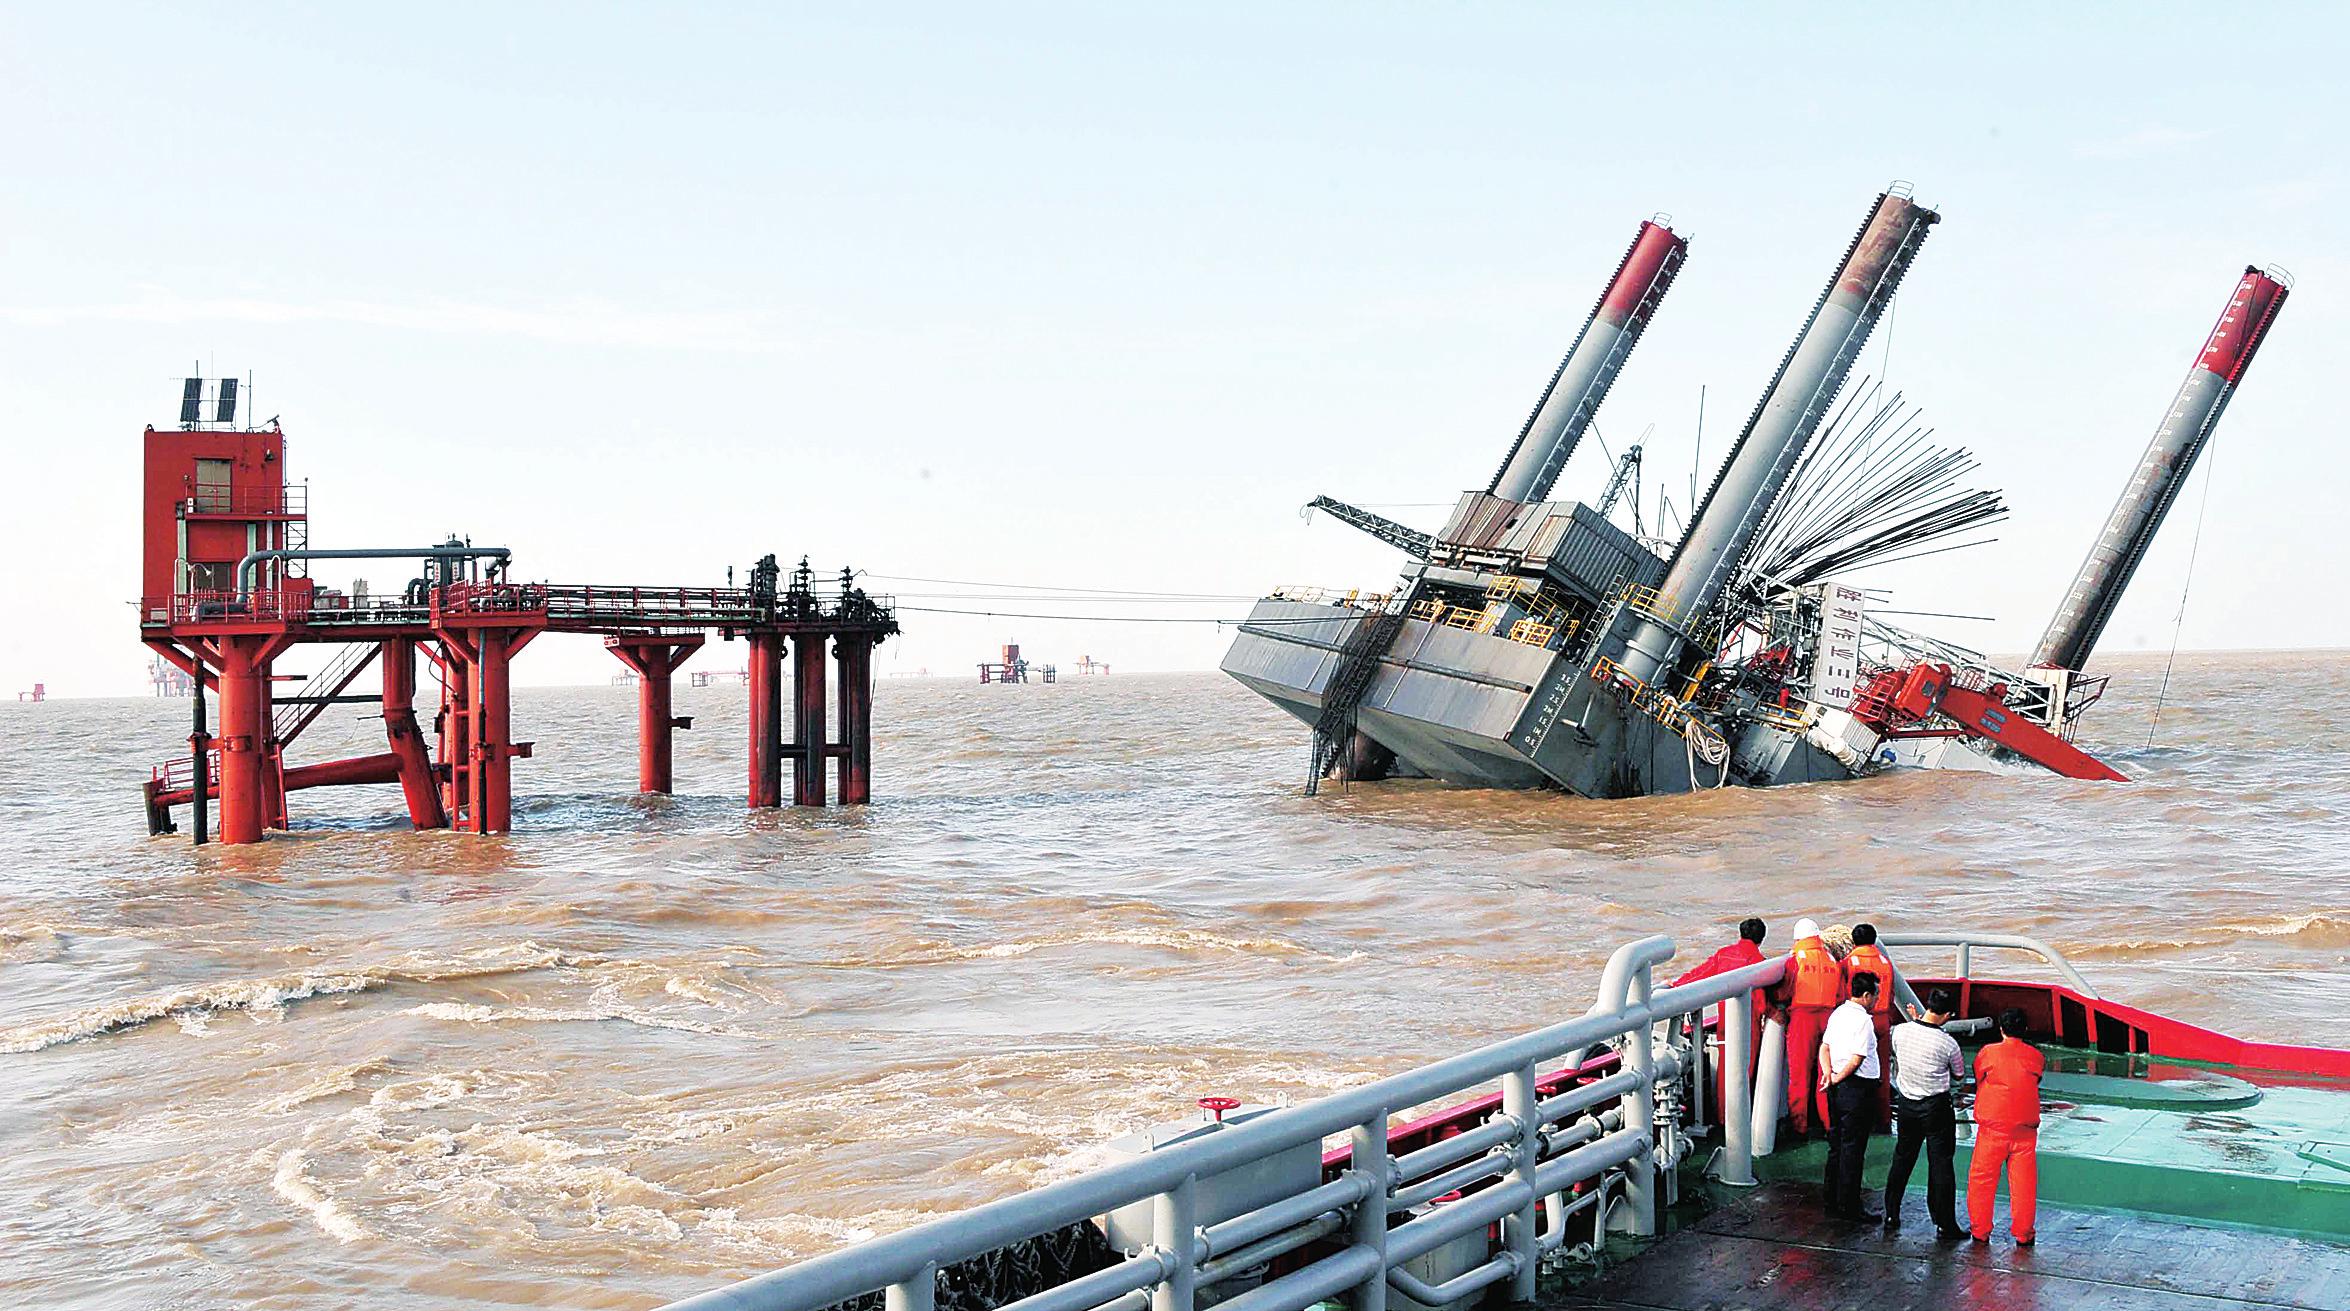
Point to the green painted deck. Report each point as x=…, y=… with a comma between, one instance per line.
x=2171, y=1140
x=2162, y=1186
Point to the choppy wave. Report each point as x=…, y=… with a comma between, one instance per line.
x=2314, y=930
x=644, y=1046
x=267, y=996
x=926, y=952
x=474, y=1013
x=292, y=1182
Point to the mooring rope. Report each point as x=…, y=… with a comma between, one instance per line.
x=2179, y=620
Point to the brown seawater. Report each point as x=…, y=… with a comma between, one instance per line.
x=644, y=1046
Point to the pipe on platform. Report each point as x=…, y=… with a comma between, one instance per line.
x=253, y=559
x=1782, y=425
x=1584, y=376
x=200, y=775
x=2162, y=471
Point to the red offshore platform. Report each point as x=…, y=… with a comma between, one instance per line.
x=225, y=591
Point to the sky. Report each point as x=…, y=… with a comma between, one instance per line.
x=1099, y=296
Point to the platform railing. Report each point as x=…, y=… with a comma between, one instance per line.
x=1966, y=943
x=1535, y=1165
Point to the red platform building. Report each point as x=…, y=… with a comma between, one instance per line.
x=225, y=591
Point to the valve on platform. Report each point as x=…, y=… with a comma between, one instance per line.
x=1218, y=1105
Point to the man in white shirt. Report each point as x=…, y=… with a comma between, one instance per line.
x=1927, y=1070
x=1849, y=1071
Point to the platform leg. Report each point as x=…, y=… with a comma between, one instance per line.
x=418, y=787
x=766, y=696
x=243, y=799
x=855, y=659
x=808, y=723
x=493, y=726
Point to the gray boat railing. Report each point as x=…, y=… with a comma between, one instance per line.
x=1966, y=943
x=1533, y=1158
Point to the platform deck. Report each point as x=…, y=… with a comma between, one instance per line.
x=1773, y=1249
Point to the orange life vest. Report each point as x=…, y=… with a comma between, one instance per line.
x=1869, y=960
x=1814, y=977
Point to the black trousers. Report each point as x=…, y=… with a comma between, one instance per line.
x=1925, y=1122
x=1852, y=1113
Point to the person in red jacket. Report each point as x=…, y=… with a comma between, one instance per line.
x=1747, y=950
x=1813, y=988
x=1868, y=958
x=2007, y=1131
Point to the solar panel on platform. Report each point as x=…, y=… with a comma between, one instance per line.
x=227, y=413
x=192, y=401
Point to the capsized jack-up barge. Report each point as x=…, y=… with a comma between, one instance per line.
x=1535, y=643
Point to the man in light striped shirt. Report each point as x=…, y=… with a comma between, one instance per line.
x=1927, y=1068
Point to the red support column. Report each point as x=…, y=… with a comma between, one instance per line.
x=455, y=727
x=418, y=786
x=854, y=653
x=484, y=787
x=241, y=800
x=244, y=663
x=808, y=723
x=766, y=695
x=654, y=660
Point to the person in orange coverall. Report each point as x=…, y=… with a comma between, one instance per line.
x=1737, y=956
x=2007, y=1131
x=1813, y=988
x=1868, y=958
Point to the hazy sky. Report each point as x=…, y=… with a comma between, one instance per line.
x=1100, y=295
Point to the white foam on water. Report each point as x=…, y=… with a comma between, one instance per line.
x=476, y=1013
x=264, y=999
x=293, y=1183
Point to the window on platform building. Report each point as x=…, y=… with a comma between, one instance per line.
x=212, y=575
x=212, y=486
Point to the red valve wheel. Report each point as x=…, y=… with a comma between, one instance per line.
x=1219, y=1105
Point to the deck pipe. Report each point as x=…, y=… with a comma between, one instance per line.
x=1582, y=379
x=247, y=567
x=1773, y=442
x=2162, y=471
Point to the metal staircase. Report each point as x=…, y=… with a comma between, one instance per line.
x=291, y=714
x=1358, y=664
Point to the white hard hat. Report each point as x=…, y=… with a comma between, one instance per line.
x=1806, y=928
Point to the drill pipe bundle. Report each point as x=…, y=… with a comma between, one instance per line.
x=1873, y=490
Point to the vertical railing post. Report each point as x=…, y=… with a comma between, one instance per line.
x=1640, y=1109
x=1738, y=1091
x=1368, y=1144
x=1174, y=1226
x=1521, y=1234
x=917, y=1294
x=1966, y=960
